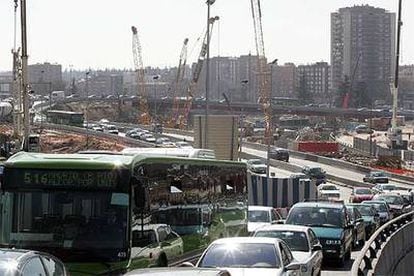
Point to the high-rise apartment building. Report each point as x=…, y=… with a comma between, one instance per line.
x=363, y=50
x=284, y=80
x=312, y=82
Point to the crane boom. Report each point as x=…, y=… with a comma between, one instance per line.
x=263, y=74
x=178, y=81
x=144, y=117
x=196, y=75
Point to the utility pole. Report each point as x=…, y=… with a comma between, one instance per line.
x=155, y=79
x=243, y=82
x=270, y=128
x=24, y=87
x=87, y=107
x=209, y=3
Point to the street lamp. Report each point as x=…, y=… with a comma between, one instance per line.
x=268, y=110
x=155, y=78
x=209, y=3
x=243, y=83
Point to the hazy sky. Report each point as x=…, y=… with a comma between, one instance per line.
x=97, y=34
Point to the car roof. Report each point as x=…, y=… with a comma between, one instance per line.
x=374, y=202
x=287, y=227
x=361, y=188
x=322, y=204
x=259, y=208
x=149, y=226
x=236, y=240
x=176, y=271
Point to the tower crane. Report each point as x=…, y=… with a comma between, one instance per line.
x=263, y=74
x=185, y=111
x=178, y=83
x=145, y=117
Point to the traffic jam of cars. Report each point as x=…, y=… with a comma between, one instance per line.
x=311, y=234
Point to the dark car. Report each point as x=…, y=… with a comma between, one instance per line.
x=360, y=194
x=370, y=217
x=396, y=203
x=315, y=173
x=331, y=224
x=376, y=177
x=279, y=154
x=18, y=262
x=357, y=221
x=382, y=209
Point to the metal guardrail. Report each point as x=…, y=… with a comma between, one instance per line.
x=365, y=263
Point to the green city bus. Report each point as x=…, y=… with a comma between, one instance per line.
x=64, y=117
x=102, y=213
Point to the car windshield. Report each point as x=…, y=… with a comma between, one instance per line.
x=92, y=222
x=329, y=188
x=378, y=174
x=255, y=162
x=378, y=206
x=315, y=170
x=259, y=216
x=316, y=216
x=363, y=192
x=365, y=210
x=297, y=241
x=389, y=187
x=391, y=199
x=257, y=255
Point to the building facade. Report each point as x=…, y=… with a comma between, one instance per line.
x=284, y=80
x=313, y=83
x=45, y=77
x=362, y=51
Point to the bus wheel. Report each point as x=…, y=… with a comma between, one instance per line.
x=162, y=261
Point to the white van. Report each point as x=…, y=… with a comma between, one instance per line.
x=190, y=153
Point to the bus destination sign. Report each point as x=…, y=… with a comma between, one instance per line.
x=102, y=179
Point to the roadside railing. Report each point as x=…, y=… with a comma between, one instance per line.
x=367, y=260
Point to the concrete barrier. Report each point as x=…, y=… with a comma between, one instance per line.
x=390, y=249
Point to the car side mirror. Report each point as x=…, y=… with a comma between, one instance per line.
x=279, y=221
x=292, y=266
x=317, y=247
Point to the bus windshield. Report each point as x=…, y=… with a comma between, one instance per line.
x=92, y=223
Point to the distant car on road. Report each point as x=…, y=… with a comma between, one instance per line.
x=328, y=191
x=112, y=129
x=363, y=129
x=301, y=240
x=259, y=216
x=315, y=173
x=251, y=256
x=382, y=209
x=19, y=262
x=376, y=177
x=279, y=154
x=395, y=202
x=384, y=188
x=369, y=215
x=360, y=194
x=183, y=145
x=256, y=166
x=299, y=175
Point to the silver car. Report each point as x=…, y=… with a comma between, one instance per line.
x=301, y=240
x=251, y=256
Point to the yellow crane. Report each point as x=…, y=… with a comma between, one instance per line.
x=263, y=74
x=144, y=116
x=172, y=122
x=185, y=111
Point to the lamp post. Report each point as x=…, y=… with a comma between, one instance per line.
x=268, y=108
x=155, y=79
x=244, y=83
x=209, y=3
x=87, y=107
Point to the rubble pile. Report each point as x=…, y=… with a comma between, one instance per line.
x=56, y=142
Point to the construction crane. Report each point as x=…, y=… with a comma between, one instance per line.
x=263, y=72
x=185, y=111
x=178, y=84
x=144, y=117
